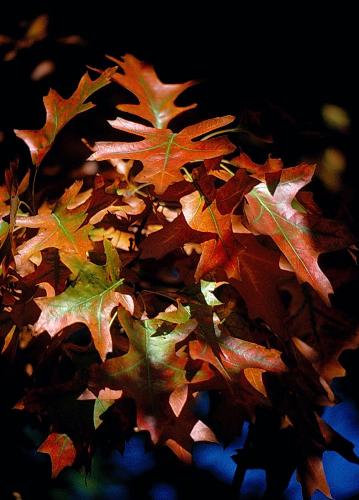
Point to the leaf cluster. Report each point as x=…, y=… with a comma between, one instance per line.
x=183, y=267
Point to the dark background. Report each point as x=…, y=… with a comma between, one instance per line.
x=278, y=62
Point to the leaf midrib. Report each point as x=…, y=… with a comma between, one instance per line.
x=89, y=299
x=281, y=230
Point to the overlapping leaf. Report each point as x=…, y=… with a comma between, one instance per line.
x=150, y=371
x=235, y=355
x=211, y=339
x=260, y=278
x=270, y=171
x=59, y=228
x=51, y=270
x=164, y=152
x=300, y=236
x=90, y=300
x=173, y=235
x=219, y=251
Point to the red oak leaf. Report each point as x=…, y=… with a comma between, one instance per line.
x=259, y=279
x=311, y=475
x=90, y=300
x=234, y=355
x=51, y=270
x=173, y=235
x=300, y=236
x=270, y=171
x=164, y=152
x=219, y=252
x=156, y=99
x=232, y=192
x=149, y=372
x=59, y=112
x=59, y=228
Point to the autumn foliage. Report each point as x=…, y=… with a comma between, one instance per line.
x=186, y=267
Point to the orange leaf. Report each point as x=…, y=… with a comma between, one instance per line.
x=156, y=99
x=300, y=236
x=59, y=112
x=59, y=228
x=90, y=300
x=164, y=152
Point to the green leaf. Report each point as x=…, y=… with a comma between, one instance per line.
x=100, y=407
x=89, y=300
x=207, y=289
x=179, y=316
x=4, y=229
x=149, y=372
x=58, y=228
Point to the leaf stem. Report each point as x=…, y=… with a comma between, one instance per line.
x=219, y=132
x=227, y=169
x=155, y=292
x=113, y=318
x=33, y=190
x=25, y=205
x=187, y=174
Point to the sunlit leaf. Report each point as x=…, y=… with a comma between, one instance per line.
x=90, y=300
x=156, y=99
x=59, y=112
x=164, y=152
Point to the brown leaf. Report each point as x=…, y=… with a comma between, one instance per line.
x=232, y=192
x=311, y=475
x=260, y=278
x=51, y=270
x=234, y=355
x=173, y=235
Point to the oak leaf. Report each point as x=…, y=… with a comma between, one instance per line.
x=90, y=300
x=234, y=355
x=270, y=171
x=311, y=475
x=164, y=152
x=260, y=278
x=59, y=112
x=300, y=236
x=173, y=235
x=149, y=372
x=60, y=228
x=219, y=251
x=51, y=270
x=156, y=99
x=232, y=192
